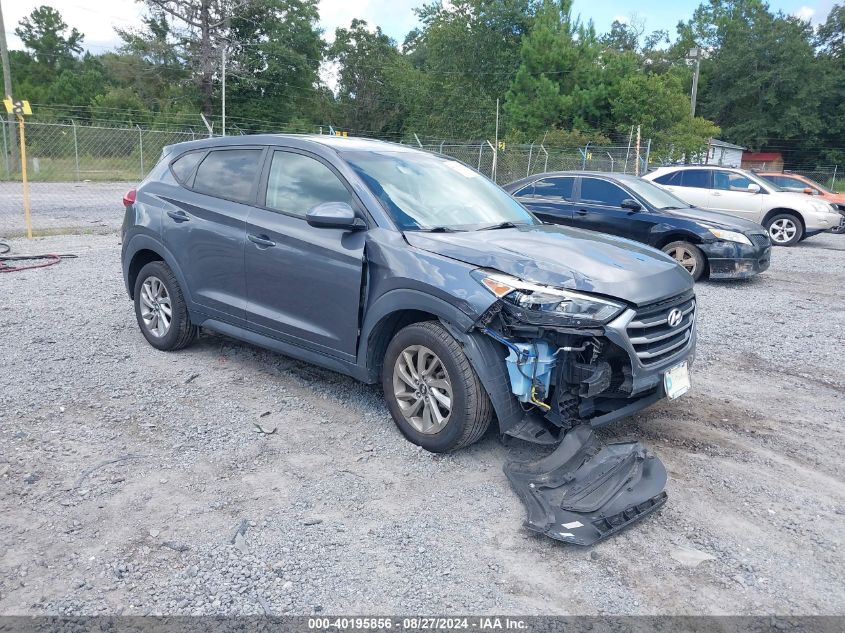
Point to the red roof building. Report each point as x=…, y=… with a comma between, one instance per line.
x=770, y=161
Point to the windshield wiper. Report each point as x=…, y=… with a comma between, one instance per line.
x=507, y=224
x=438, y=229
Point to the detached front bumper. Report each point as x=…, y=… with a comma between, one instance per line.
x=732, y=260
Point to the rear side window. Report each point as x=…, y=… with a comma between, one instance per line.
x=298, y=183
x=183, y=167
x=228, y=173
x=554, y=188
x=672, y=178
x=602, y=192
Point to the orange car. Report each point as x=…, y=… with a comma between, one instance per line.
x=797, y=182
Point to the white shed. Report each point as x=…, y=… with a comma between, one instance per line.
x=724, y=154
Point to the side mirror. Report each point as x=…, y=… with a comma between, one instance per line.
x=753, y=187
x=808, y=191
x=334, y=215
x=631, y=204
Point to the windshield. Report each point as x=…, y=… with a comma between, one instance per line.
x=655, y=196
x=426, y=192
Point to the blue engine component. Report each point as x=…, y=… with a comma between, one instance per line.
x=530, y=364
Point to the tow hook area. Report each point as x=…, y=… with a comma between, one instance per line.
x=587, y=490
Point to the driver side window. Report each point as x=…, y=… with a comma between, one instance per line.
x=297, y=183
x=729, y=181
x=595, y=191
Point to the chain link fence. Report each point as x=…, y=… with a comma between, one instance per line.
x=79, y=173
x=512, y=162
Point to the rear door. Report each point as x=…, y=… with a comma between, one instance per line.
x=303, y=283
x=730, y=194
x=205, y=225
x=690, y=185
x=550, y=199
x=599, y=208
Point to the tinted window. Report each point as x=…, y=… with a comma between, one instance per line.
x=788, y=183
x=729, y=181
x=672, y=178
x=554, y=188
x=228, y=173
x=602, y=192
x=298, y=183
x=183, y=167
x=695, y=178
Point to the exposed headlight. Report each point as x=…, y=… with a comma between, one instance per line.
x=573, y=308
x=730, y=236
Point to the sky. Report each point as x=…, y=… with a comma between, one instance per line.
x=97, y=18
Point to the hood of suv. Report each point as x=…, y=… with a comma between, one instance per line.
x=718, y=220
x=566, y=258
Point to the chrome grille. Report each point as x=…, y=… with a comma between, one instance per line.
x=654, y=340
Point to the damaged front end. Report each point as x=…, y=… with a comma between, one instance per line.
x=576, y=361
x=574, y=358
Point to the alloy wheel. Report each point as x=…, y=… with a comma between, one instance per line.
x=422, y=389
x=156, y=310
x=782, y=230
x=684, y=257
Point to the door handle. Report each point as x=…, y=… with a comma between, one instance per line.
x=582, y=212
x=261, y=240
x=179, y=216
x=716, y=193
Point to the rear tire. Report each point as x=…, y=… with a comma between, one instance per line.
x=687, y=255
x=432, y=391
x=160, y=308
x=785, y=229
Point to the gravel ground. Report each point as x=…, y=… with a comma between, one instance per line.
x=135, y=481
x=59, y=206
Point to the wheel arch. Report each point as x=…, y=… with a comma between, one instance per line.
x=141, y=250
x=786, y=211
x=677, y=236
x=395, y=310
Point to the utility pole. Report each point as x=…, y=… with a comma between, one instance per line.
x=637, y=154
x=496, y=151
x=223, y=105
x=7, y=86
x=695, y=53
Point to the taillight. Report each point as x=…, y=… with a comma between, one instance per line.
x=129, y=197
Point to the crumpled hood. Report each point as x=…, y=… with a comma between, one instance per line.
x=716, y=219
x=567, y=258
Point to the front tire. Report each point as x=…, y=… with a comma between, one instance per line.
x=785, y=229
x=687, y=255
x=160, y=308
x=432, y=391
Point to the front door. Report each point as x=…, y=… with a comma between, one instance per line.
x=730, y=194
x=303, y=283
x=599, y=208
x=550, y=199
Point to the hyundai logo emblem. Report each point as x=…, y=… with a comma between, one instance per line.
x=675, y=317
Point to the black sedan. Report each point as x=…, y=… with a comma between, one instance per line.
x=704, y=242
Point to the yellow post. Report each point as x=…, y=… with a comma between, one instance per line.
x=24, y=181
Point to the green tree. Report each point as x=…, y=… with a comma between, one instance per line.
x=45, y=33
x=368, y=96
x=759, y=80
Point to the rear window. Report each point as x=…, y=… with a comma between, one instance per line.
x=228, y=173
x=183, y=167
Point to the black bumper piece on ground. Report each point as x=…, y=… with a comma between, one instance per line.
x=586, y=490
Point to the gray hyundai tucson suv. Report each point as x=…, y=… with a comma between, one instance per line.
x=397, y=266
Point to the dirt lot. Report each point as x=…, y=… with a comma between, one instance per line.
x=135, y=481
